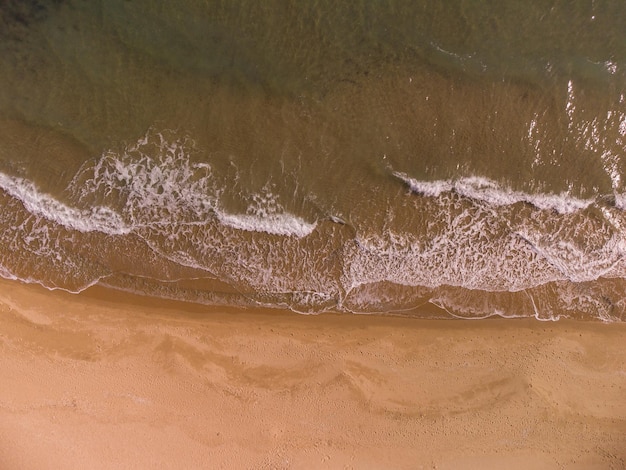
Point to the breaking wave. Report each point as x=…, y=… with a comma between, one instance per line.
x=150, y=219
x=490, y=192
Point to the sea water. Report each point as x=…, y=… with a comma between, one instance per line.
x=369, y=157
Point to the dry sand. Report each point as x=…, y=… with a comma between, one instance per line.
x=92, y=383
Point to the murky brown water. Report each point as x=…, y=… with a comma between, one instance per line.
x=376, y=157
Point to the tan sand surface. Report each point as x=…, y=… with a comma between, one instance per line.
x=88, y=382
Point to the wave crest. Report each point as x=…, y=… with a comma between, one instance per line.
x=488, y=191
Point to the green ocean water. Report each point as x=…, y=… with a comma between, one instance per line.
x=373, y=156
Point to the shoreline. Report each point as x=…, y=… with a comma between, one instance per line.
x=111, y=380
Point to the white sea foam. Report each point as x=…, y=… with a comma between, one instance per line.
x=558, y=272
x=471, y=256
x=579, y=264
x=152, y=181
x=155, y=182
x=620, y=201
x=174, y=204
x=266, y=214
x=490, y=192
x=275, y=224
x=484, y=247
x=98, y=218
x=7, y=274
x=610, y=67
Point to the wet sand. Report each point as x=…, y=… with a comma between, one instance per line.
x=103, y=381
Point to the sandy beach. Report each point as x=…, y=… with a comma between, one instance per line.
x=92, y=382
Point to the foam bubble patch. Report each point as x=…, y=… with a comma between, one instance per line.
x=274, y=224
x=487, y=191
x=98, y=218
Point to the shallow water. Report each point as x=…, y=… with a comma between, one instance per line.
x=376, y=157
